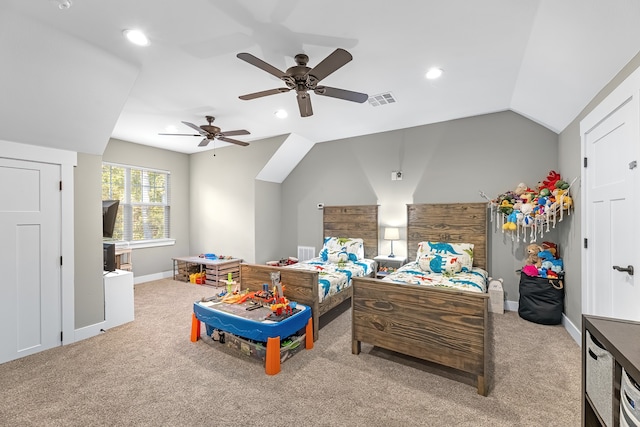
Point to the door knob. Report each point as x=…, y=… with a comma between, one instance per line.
x=629, y=269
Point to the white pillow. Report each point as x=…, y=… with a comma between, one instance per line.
x=353, y=247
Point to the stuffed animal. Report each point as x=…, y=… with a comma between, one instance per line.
x=549, y=262
x=532, y=255
x=530, y=270
x=512, y=221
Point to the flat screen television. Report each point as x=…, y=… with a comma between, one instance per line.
x=109, y=213
x=109, y=256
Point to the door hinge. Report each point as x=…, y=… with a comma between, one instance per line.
x=60, y=185
x=60, y=259
x=61, y=336
x=585, y=243
x=584, y=162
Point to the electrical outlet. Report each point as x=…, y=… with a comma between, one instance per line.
x=394, y=176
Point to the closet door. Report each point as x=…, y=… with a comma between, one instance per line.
x=30, y=279
x=610, y=182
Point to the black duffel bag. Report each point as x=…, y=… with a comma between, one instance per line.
x=541, y=299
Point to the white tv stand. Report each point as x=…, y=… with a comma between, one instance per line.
x=118, y=298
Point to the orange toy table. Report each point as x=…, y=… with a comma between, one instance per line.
x=236, y=319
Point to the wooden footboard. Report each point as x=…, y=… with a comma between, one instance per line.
x=301, y=286
x=439, y=325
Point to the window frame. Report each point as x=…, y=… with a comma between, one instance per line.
x=128, y=206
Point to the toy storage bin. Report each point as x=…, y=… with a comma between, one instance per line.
x=258, y=350
x=599, y=378
x=629, y=401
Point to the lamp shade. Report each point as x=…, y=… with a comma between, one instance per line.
x=391, y=233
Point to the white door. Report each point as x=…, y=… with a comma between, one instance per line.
x=612, y=148
x=30, y=274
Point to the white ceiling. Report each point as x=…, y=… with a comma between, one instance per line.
x=70, y=80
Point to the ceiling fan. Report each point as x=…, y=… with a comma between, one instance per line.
x=302, y=79
x=211, y=132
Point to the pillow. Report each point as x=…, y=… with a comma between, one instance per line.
x=354, y=248
x=446, y=264
x=464, y=252
x=336, y=257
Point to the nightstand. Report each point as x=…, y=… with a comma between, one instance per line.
x=386, y=262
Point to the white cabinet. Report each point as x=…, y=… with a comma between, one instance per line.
x=118, y=298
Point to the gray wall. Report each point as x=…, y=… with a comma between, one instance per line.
x=268, y=228
x=88, y=290
x=570, y=159
x=155, y=260
x=444, y=162
x=223, y=209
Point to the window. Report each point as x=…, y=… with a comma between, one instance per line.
x=144, y=194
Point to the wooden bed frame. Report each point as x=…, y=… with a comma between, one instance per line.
x=302, y=286
x=439, y=325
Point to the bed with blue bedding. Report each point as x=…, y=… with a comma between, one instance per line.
x=335, y=277
x=324, y=282
x=435, y=307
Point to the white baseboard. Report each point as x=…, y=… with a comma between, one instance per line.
x=89, y=331
x=573, y=331
x=511, y=305
x=152, y=277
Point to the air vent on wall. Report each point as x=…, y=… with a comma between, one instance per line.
x=306, y=253
x=381, y=99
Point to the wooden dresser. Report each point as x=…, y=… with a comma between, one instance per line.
x=618, y=344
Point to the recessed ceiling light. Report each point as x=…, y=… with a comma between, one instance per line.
x=62, y=4
x=433, y=73
x=281, y=114
x=136, y=37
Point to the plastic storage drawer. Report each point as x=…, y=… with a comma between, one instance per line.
x=599, y=379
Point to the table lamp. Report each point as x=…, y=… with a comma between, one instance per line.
x=391, y=233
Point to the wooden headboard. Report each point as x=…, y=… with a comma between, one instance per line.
x=451, y=222
x=353, y=221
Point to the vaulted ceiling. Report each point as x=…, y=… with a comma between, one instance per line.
x=69, y=79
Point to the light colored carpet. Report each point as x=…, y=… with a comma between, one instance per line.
x=148, y=373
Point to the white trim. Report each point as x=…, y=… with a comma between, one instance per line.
x=122, y=165
x=575, y=333
x=90, y=331
x=151, y=243
x=152, y=277
x=67, y=161
x=511, y=305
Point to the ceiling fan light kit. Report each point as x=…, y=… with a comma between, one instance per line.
x=303, y=79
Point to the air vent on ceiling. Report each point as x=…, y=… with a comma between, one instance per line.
x=381, y=99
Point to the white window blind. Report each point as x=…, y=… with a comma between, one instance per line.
x=145, y=202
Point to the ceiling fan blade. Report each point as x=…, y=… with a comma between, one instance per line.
x=261, y=64
x=264, y=93
x=196, y=128
x=341, y=93
x=233, y=141
x=204, y=143
x=179, y=134
x=234, y=132
x=304, y=103
x=331, y=63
